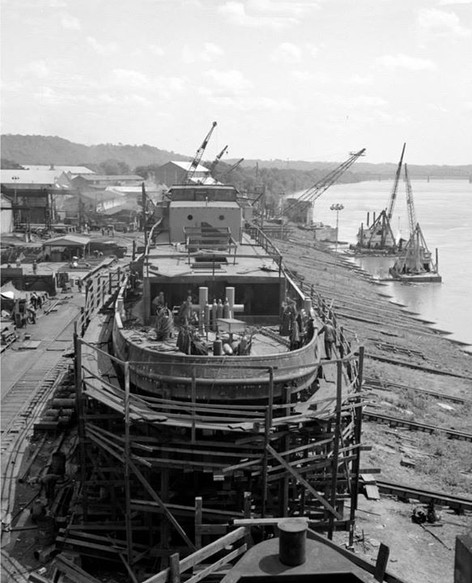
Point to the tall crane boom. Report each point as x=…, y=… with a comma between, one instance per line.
x=216, y=160
x=315, y=191
x=410, y=203
x=198, y=156
x=233, y=167
x=393, y=196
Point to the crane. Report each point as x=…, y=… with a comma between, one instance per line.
x=216, y=160
x=315, y=191
x=393, y=195
x=409, y=203
x=379, y=236
x=233, y=167
x=415, y=261
x=198, y=156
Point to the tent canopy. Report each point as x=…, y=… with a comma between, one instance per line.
x=67, y=241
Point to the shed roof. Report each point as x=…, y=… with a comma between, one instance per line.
x=67, y=241
x=59, y=169
x=39, y=177
x=111, y=177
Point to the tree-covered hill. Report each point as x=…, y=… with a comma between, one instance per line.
x=54, y=150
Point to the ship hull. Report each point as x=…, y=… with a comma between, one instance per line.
x=216, y=378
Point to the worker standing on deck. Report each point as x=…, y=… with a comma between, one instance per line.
x=329, y=332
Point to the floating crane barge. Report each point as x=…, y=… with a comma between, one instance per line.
x=415, y=263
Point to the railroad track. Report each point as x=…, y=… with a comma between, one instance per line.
x=374, y=384
x=39, y=385
x=408, y=364
x=457, y=503
x=415, y=426
x=12, y=570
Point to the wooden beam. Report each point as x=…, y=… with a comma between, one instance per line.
x=302, y=481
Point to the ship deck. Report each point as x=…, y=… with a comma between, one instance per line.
x=172, y=260
x=264, y=342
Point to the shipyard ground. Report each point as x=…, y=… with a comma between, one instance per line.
x=395, y=343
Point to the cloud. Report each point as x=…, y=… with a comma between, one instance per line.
x=208, y=53
x=358, y=101
x=156, y=50
x=70, y=22
x=402, y=61
x=453, y=2
x=39, y=69
x=163, y=87
x=287, y=53
x=274, y=14
x=437, y=108
x=312, y=49
x=441, y=23
x=360, y=80
x=247, y=103
x=229, y=81
x=103, y=49
x=302, y=75
x=130, y=78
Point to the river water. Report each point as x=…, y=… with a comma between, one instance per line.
x=444, y=211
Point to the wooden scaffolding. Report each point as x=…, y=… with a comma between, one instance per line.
x=161, y=476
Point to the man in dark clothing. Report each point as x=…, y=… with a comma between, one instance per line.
x=329, y=332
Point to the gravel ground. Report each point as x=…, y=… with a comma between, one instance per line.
x=424, y=359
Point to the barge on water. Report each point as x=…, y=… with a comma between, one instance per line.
x=415, y=263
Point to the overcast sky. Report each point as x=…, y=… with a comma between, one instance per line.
x=289, y=79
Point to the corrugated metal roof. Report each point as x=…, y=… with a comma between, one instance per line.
x=110, y=177
x=12, y=177
x=59, y=169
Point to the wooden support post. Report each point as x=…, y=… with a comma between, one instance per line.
x=102, y=285
x=194, y=398
x=174, y=566
x=127, y=452
x=286, y=441
x=299, y=478
x=268, y=425
x=163, y=506
x=165, y=498
x=198, y=521
x=81, y=420
x=357, y=440
x=247, y=514
x=381, y=563
x=337, y=437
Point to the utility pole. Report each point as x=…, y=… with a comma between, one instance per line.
x=144, y=203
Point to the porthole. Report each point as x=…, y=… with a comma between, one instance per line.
x=189, y=217
x=221, y=217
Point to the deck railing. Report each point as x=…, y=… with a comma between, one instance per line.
x=100, y=287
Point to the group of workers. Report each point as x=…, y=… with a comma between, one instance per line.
x=300, y=328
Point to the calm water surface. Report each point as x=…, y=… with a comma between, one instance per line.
x=444, y=211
